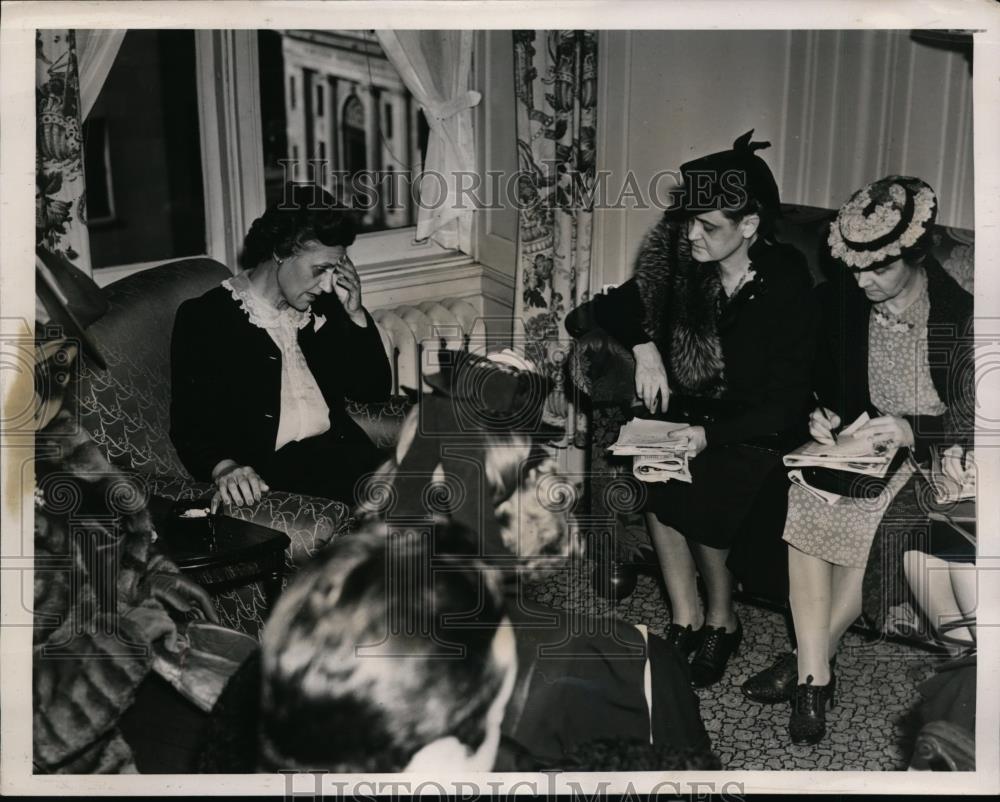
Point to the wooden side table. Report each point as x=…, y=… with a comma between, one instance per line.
x=228, y=555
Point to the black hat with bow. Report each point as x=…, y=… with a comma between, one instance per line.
x=726, y=180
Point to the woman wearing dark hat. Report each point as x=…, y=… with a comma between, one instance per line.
x=262, y=364
x=891, y=307
x=718, y=316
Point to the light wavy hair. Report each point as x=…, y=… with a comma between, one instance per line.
x=532, y=499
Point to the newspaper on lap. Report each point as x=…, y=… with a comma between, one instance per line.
x=657, y=457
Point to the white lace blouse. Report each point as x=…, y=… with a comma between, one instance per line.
x=304, y=412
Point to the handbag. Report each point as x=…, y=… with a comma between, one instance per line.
x=850, y=484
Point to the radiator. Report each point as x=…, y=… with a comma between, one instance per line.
x=413, y=334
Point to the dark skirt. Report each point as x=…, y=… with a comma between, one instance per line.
x=328, y=465
x=581, y=679
x=715, y=506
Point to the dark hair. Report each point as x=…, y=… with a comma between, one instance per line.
x=360, y=667
x=753, y=206
x=305, y=213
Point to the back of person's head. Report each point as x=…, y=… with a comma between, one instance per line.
x=304, y=213
x=362, y=671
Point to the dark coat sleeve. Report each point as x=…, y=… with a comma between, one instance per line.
x=353, y=357
x=951, y=350
x=619, y=312
x=198, y=428
x=790, y=343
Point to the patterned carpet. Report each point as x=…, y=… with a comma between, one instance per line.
x=876, y=686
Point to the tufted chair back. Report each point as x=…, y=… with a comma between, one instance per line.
x=127, y=407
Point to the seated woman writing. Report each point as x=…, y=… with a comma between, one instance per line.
x=718, y=316
x=891, y=306
x=262, y=364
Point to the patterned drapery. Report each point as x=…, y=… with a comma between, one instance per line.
x=60, y=189
x=555, y=80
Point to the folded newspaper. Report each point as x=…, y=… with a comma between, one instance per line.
x=656, y=457
x=846, y=453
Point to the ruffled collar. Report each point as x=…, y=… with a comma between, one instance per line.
x=261, y=313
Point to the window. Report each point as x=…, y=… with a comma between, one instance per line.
x=373, y=137
x=143, y=154
x=97, y=169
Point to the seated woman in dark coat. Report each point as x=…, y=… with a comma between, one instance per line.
x=718, y=316
x=261, y=365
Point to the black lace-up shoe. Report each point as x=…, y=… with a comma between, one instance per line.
x=775, y=683
x=685, y=639
x=717, y=646
x=807, y=724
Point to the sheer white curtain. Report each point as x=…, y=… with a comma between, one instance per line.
x=436, y=67
x=96, y=51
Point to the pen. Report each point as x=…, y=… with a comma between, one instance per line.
x=822, y=411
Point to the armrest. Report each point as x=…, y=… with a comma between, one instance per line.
x=309, y=521
x=602, y=368
x=380, y=420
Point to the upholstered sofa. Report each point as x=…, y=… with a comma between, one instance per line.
x=604, y=375
x=126, y=409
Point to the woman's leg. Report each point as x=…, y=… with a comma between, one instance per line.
x=964, y=578
x=930, y=579
x=845, y=601
x=810, y=581
x=719, y=610
x=679, y=575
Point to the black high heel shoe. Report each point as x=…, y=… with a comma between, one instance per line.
x=777, y=682
x=807, y=724
x=717, y=646
x=685, y=639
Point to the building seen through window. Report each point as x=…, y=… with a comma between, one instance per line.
x=335, y=111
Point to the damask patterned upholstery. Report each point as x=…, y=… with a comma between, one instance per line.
x=127, y=411
x=127, y=407
x=603, y=370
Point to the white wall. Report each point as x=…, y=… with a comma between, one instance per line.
x=840, y=108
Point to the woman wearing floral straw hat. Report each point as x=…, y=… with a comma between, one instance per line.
x=890, y=307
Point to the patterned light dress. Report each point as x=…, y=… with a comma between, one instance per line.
x=900, y=383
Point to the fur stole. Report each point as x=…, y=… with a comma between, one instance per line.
x=680, y=301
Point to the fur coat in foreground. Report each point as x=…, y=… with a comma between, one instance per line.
x=93, y=554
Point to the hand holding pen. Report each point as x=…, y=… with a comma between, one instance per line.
x=822, y=424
